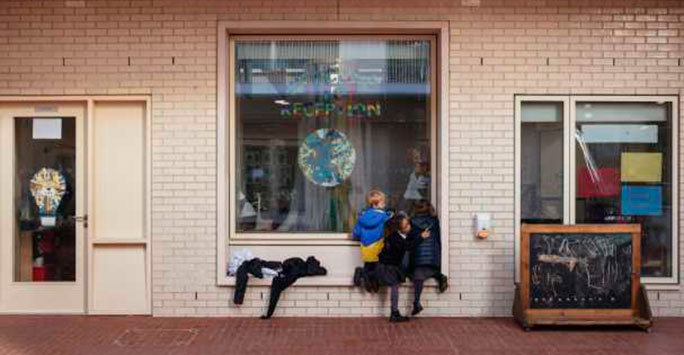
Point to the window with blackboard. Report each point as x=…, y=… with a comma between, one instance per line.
x=602, y=160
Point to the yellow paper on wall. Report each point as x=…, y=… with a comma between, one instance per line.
x=641, y=167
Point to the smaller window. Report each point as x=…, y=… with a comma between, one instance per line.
x=600, y=159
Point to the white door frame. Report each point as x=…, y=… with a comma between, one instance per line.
x=53, y=106
x=44, y=296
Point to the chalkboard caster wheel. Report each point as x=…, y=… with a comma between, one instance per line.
x=644, y=324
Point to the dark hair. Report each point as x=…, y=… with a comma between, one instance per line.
x=394, y=223
x=423, y=207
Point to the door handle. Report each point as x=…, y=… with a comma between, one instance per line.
x=81, y=219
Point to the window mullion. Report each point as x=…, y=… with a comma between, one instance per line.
x=570, y=160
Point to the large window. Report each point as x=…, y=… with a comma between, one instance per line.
x=317, y=123
x=602, y=160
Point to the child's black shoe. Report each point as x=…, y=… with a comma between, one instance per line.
x=374, y=285
x=396, y=317
x=357, y=276
x=417, y=308
x=443, y=283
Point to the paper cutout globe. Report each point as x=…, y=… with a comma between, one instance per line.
x=48, y=186
x=326, y=157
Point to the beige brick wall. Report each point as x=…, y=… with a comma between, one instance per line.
x=504, y=47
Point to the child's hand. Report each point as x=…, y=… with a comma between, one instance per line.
x=425, y=234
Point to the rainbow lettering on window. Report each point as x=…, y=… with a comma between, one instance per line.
x=330, y=109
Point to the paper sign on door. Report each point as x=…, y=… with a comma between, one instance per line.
x=47, y=128
x=641, y=167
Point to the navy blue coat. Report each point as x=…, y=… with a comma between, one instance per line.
x=429, y=252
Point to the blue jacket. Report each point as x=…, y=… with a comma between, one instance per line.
x=429, y=252
x=369, y=230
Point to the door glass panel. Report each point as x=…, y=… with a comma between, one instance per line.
x=542, y=162
x=45, y=232
x=624, y=173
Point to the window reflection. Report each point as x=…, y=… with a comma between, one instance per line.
x=624, y=173
x=542, y=162
x=320, y=123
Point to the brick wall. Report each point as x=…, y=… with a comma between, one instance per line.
x=504, y=47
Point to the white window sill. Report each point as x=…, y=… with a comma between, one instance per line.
x=662, y=287
x=310, y=242
x=327, y=280
x=312, y=281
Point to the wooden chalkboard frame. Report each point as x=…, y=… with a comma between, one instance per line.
x=638, y=314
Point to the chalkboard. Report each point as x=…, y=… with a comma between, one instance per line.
x=584, y=274
x=580, y=271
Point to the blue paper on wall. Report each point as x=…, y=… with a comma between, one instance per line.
x=639, y=200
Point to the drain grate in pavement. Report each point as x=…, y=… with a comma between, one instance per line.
x=156, y=337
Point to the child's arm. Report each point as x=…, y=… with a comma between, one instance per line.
x=356, y=233
x=411, y=241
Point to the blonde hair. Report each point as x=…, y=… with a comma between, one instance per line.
x=374, y=197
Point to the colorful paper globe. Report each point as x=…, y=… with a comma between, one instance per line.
x=326, y=157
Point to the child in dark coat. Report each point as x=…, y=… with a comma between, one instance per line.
x=426, y=259
x=396, y=245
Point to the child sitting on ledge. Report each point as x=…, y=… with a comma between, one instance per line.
x=369, y=230
x=397, y=244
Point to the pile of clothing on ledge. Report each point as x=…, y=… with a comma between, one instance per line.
x=243, y=263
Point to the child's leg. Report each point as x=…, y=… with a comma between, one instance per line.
x=417, y=291
x=369, y=266
x=394, y=298
x=442, y=281
x=370, y=281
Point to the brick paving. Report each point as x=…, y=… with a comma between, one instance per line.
x=322, y=336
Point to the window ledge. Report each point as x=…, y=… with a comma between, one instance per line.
x=662, y=287
x=313, y=281
x=276, y=242
x=328, y=280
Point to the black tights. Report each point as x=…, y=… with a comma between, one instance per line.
x=417, y=291
x=418, y=288
x=394, y=298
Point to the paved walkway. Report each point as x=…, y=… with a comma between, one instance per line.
x=322, y=336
